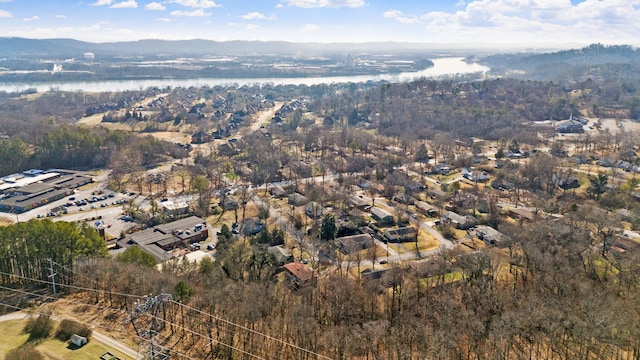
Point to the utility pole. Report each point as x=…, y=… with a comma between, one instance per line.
x=52, y=275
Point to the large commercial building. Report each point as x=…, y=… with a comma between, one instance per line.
x=34, y=188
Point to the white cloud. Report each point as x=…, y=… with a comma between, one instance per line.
x=194, y=13
x=59, y=16
x=155, y=6
x=325, y=3
x=310, y=28
x=99, y=26
x=5, y=14
x=164, y=19
x=127, y=4
x=102, y=2
x=257, y=16
x=400, y=17
x=33, y=18
x=612, y=21
x=197, y=4
x=252, y=27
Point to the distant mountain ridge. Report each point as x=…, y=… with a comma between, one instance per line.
x=13, y=47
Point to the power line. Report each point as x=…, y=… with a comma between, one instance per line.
x=236, y=325
x=62, y=299
x=255, y=331
x=218, y=318
x=163, y=320
x=70, y=286
x=211, y=339
x=41, y=313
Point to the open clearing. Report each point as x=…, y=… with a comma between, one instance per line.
x=12, y=337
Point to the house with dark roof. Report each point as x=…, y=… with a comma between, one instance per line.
x=426, y=209
x=252, y=226
x=201, y=137
x=381, y=215
x=355, y=243
x=403, y=234
x=490, y=235
x=277, y=192
x=570, y=127
x=281, y=254
x=459, y=221
x=358, y=202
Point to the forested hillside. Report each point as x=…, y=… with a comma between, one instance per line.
x=596, y=62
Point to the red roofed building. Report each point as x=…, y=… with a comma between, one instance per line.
x=300, y=275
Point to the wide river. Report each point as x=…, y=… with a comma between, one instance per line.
x=442, y=67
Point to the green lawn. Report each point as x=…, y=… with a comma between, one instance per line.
x=12, y=337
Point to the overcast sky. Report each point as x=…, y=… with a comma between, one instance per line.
x=428, y=21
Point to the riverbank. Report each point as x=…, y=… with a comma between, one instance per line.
x=441, y=67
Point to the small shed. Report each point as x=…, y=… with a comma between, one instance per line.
x=78, y=340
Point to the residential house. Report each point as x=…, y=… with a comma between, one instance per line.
x=604, y=162
x=459, y=221
x=522, y=214
x=358, y=202
x=436, y=193
x=515, y=154
x=569, y=127
x=624, y=165
x=403, y=234
x=355, y=243
x=277, y=192
x=300, y=275
x=475, y=175
x=384, y=278
x=281, y=254
x=440, y=169
x=229, y=203
x=227, y=149
x=501, y=185
x=490, y=235
x=201, y=137
x=251, y=226
x=381, y=215
x=297, y=199
x=404, y=198
x=426, y=209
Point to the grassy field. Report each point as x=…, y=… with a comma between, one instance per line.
x=12, y=338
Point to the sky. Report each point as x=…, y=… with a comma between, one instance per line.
x=518, y=22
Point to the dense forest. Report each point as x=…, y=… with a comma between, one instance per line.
x=556, y=298
x=79, y=148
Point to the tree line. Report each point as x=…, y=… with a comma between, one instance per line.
x=27, y=247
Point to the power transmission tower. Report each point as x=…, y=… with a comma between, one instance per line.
x=150, y=305
x=52, y=275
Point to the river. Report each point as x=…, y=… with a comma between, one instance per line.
x=442, y=67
